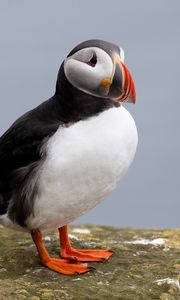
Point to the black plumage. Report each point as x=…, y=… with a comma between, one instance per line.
x=106, y=46
x=21, y=146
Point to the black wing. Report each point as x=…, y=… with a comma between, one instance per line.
x=19, y=156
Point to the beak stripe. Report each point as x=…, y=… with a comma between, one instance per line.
x=129, y=89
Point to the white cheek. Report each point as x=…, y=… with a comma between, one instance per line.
x=81, y=75
x=85, y=77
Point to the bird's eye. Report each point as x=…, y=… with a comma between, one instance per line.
x=93, y=61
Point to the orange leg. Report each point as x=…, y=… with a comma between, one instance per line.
x=68, y=252
x=59, y=265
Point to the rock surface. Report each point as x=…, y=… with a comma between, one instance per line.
x=145, y=266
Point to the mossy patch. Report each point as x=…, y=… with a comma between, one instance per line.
x=142, y=258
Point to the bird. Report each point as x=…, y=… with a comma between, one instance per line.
x=65, y=156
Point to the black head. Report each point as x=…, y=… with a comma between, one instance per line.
x=97, y=68
x=106, y=46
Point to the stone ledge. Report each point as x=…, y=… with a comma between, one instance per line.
x=145, y=266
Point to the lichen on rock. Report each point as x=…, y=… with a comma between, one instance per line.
x=145, y=266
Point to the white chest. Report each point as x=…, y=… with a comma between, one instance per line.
x=84, y=163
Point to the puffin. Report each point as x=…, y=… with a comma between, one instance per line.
x=62, y=158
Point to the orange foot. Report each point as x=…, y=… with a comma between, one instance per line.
x=86, y=255
x=58, y=265
x=64, y=267
x=80, y=254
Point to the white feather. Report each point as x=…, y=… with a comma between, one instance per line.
x=84, y=164
x=122, y=54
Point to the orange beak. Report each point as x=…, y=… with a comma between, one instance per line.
x=121, y=85
x=129, y=92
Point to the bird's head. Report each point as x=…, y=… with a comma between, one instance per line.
x=97, y=68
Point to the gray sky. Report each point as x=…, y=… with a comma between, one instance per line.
x=35, y=36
